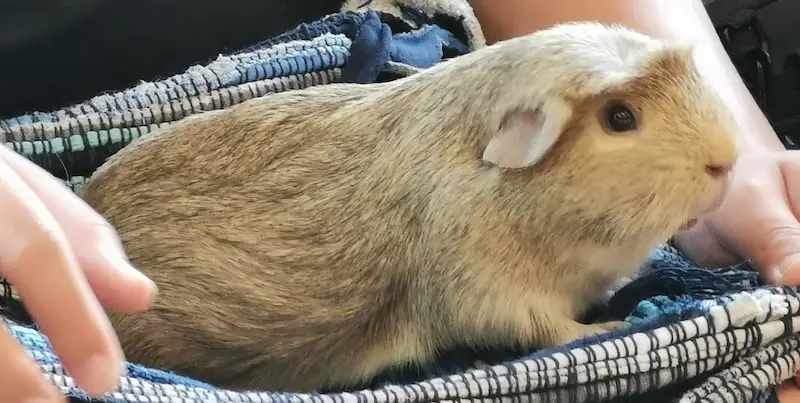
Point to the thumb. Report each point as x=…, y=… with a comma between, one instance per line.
x=770, y=236
x=778, y=254
x=783, y=244
x=761, y=221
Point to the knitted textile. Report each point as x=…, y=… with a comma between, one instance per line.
x=695, y=334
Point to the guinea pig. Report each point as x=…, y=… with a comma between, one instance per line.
x=311, y=239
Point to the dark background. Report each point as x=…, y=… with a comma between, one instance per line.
x=57, y=52
x=54, y=53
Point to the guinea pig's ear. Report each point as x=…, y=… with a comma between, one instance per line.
x=527, y=135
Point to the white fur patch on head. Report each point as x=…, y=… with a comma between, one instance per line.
x=577, y=60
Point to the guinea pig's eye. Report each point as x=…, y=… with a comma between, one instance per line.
x=619, y=118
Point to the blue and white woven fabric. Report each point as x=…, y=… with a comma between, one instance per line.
x=733, y=345
x=696, y=334
x=347, y=47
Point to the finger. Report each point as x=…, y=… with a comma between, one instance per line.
x=114, y=281
x=769, y=232
x=767, y=235
x=702, y=246
x=36, y=258
x=775, y=242
x=790, y=169
x=788, y=392
x=21, y=379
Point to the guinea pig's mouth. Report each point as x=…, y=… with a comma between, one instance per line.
x=688, y=225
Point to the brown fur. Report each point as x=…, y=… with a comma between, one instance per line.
x=313, y=238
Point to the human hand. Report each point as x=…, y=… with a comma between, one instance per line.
x=757, y=221
x=63, y=259
x=788, y=393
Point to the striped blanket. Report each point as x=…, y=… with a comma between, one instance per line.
x=696, y=334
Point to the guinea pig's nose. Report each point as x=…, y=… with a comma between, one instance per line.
x=718, y=170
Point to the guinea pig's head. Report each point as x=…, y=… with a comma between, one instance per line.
x=617, y=129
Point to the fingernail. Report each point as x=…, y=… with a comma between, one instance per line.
x=786, y=273
x=124, y=266
x=48, y=394
x=41, y=400
x=123, y=369
x=777, y=276
x=97, y=375
x=148, y=290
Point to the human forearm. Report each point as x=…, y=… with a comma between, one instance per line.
x=684, y=20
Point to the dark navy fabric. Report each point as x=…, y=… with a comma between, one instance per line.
x=673, y=275
x=346, y=23
x=374, y=45
x=375, y=42
x=369, y=52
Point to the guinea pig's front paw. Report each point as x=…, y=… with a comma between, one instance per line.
x=576, y=330
x=610, y=325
